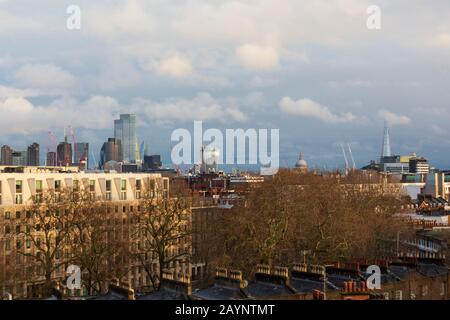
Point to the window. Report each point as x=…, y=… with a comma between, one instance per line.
x=76, y=185
x=108, y=190
x=123, y=190
x=92, y=185
x=7, y=229
x=17, y=229
x=17, y=214
x=7, y=215
x=18, y=186
x=18, y=244
x=7, y=245
x=138, y=184
x=57, y=185
x=28, y=244
x=19, y=199
x=38, y=186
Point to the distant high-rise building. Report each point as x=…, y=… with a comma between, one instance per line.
x=51, y=159
x=143, y=150
x=6, y=155
x=419, y=165
x=64, y=153
x=111, y=151
x=33, y=154
x=125, y=131
x=152, y=162
x=386, y=149
x=81, y=155
x=19, y=158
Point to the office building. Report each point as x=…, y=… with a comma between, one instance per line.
x=111, y=151
x=19, y=158
x=6, y=155
x=152, y=162
x=64, y=153
x=419, y=165
x=81, y=155
x=386, y=148
x=51, y=159
x=125, y=131
x=33, y=154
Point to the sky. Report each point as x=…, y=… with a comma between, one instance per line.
x=309, y=68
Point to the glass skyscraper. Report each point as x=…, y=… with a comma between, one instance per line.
x=125, y=131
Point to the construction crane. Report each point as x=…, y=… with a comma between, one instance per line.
x=351, y=156
x=81, y=159
x=345, y=158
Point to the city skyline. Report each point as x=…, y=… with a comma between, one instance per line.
x=326, y=81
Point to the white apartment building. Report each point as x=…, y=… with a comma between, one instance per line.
x=18, y=186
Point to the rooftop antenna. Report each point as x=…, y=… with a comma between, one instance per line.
x=351, y=156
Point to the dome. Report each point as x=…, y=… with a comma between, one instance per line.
x=301, y=163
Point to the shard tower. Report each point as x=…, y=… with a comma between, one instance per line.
x=386, y=150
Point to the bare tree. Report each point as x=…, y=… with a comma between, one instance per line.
x=93, y=247
x=48, y=227
x=163, y=234
x=328, y=215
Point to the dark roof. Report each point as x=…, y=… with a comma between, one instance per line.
x=163, y=294
x=431, y=270
x=304, y=285
x=339, y=280
x=218, y=292
x=399, y=271
x=267, y=289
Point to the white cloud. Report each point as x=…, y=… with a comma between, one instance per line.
x=441, y=40
x=9, y=92
x=174, y=66
x=112, y=22
x=393, y=118
x=257, y=57
x=202, y=107
x=20, y=116
x=312, y=109
x=45, y=76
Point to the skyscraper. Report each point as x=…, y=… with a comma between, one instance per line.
x=51, y=159
x=386, y=150
x=19, y=158
x=81, y=155
x=33, y=154
x=125, y=131
x=64, y=153
x=111, y=151
x=6, y=155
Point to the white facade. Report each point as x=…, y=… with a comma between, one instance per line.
x=18, y=188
